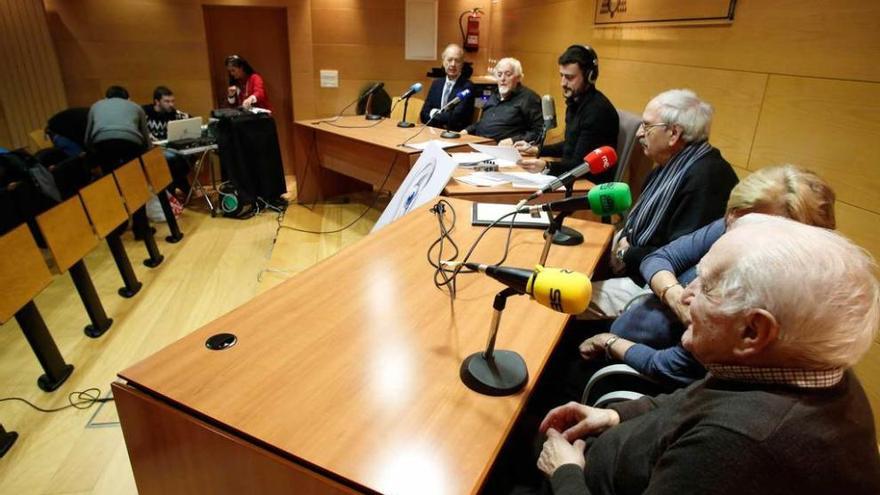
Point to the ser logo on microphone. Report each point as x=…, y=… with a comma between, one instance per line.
x=556, y=300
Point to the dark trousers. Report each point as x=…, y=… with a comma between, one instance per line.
x=110, y=154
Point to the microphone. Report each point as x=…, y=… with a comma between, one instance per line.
x=415, y=88
x=459, y=97
x=376, y=87
x=603, y=200
x=548, y=108
x=595, y=162
x=559, y=289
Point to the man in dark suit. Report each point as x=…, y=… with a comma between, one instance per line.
x=444, y=90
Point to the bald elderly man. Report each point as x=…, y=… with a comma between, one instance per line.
x=780, y=312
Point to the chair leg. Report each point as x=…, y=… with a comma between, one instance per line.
x=142, y=226
x=86, y=289
x=132, y=285
x=41, y=341
x=176, y=234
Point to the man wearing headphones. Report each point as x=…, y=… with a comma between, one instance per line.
x=590, y=119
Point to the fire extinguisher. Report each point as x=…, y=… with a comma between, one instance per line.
x=471, y=40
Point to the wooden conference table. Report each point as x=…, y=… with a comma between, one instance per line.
x=352, y=154
x=345, y=378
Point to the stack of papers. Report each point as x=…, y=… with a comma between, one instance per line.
x=424, y=144
x=525, y=180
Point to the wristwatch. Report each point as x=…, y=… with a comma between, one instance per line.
x=608, y=343
x=620, y=253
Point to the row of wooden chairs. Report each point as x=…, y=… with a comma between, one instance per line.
x=71, y=230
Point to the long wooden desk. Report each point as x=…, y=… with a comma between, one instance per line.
x=345, y=378
x=353, y=154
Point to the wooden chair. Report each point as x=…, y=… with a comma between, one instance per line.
x=70, y=238
x=412, y=109
x=24, y=276
x=106, y=211
x=38, y=141
x=132, y=184
x=156, y=167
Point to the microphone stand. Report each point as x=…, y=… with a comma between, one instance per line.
x=403, y=122
x=368, y=113
x=495, y=372
x=560, y=234
x=449, y=134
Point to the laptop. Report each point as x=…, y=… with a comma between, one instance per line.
x=188, y=129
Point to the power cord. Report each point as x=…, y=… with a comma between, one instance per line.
x=448, y=275
x=362, y=214
x=80, y=400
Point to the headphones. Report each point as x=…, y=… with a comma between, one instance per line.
x=588, y=61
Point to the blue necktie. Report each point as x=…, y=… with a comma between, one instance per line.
x=446, y=90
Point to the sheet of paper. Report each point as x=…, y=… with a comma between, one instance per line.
x=489, y=212
x=525, y=180
x=507, y=153
x=480, y=179
x=469, y=158
x=424, y=144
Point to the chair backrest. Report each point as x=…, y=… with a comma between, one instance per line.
x=104, y=205
x=156, y=168
x=24, y=275
x=626, y=141
x=38, y=141
x=133, y=185
x=68, y=232
x=412, y=112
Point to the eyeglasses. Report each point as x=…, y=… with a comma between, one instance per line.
x=646, y=126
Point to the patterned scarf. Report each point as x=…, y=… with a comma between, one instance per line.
x=650, y=210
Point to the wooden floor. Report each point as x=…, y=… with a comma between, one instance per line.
x=220, y=264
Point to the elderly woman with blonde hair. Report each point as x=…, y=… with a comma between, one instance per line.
x=647, y=335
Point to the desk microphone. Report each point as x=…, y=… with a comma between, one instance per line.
x=595, y=162
x=603, y=200
x=559, y=289
x=415, y=88
x=459, y=97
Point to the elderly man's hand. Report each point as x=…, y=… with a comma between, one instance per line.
x=594, y=346
x=558, y=451
x=577, y=420
x=505, y=142
x=525, y=149
x=534, y=165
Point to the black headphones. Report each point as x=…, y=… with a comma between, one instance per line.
x=588, y=61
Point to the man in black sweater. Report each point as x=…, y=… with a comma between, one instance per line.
x=781, y=312
x=590, y=119
x=514, y=112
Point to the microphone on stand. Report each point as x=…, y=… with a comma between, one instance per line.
x=368, y=113
x=415, y=88
x=548, y=109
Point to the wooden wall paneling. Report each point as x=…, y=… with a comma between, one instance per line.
x=736, y=97
x=828, y=126
x=860, y=225
x=797, y=37
x=34, y=91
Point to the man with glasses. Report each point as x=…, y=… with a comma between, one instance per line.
x=590, y=119
x=444, y=90
x=687, y=189
x=514, y=112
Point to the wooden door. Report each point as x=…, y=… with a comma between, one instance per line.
x=259, y=35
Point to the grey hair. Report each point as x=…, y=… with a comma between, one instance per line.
x=683, y=108
x=819, y=286
x=513, y=63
